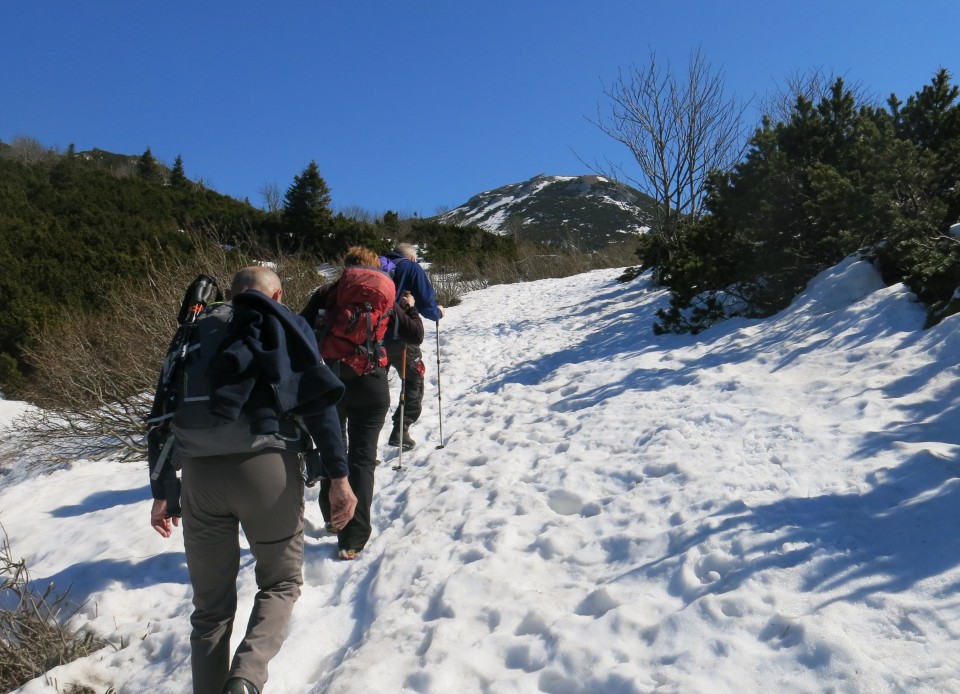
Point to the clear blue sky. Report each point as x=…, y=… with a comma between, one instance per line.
x=410, y=106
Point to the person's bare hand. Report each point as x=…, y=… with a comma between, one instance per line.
x=159, y=520
x=343, y=502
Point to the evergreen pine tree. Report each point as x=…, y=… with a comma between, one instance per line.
x=148, y=168
x=823, y=184
x=931, y=121
x=178, y=178
x=306, y=208
x=390, y=225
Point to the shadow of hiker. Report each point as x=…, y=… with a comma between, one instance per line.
x=100, y=501
x=885, y=540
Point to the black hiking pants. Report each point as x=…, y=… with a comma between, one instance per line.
x=363, y=410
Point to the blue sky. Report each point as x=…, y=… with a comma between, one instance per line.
x=413, y=106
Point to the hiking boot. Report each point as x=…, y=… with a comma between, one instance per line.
x=238, y=685
x=396, y=438
x=348, y=554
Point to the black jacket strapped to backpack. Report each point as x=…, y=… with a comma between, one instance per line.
x=266, y=373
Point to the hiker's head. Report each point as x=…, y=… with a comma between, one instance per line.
x=407, y=250
x=257, y=277
x=358, y=255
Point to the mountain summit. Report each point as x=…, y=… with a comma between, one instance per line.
x=589, y=211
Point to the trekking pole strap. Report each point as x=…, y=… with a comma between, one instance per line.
x=162, y=459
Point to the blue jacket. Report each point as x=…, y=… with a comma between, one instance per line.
x=410, y=277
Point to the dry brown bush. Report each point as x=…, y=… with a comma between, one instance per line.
x=33, y=638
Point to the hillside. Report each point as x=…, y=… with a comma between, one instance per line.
x=587, y=211
x=73, y=225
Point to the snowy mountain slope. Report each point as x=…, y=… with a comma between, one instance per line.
x=768, y=505
x=590, y=211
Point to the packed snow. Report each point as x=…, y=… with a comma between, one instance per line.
x=772, y=505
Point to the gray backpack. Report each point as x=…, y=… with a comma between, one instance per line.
x=197, y=431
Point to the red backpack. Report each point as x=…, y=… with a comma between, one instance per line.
x=359, y=307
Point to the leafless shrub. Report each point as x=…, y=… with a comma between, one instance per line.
x=452, y=282
x=29, y=150
x=360, y=213
x=33, y=635
x=95, y=372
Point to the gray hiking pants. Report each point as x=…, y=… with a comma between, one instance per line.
x=262, y=493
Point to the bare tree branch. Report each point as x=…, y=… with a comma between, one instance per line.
x=813, y=85
x=678, y=129
x=272, y=196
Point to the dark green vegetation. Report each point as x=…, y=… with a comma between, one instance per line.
x=835, y=178
x=72, y=225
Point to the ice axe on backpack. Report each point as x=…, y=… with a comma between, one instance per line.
x=201, y=292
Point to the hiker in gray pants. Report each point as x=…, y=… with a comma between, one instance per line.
x=263, y=494
x=268, y=389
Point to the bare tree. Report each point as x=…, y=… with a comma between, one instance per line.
x=813, y=85
x=678, y=129
x=359, y=213
x=272, y=196
x=29, y=150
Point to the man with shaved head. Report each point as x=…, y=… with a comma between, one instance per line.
x=258, y=277
x=258, y=394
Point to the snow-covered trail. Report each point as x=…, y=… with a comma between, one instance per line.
x=594, y=474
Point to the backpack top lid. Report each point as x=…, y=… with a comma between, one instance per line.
x=356, y=318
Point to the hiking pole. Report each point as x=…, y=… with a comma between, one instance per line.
x=403, y=397
x=439, y=399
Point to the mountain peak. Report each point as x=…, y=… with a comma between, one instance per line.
x=588, y=210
